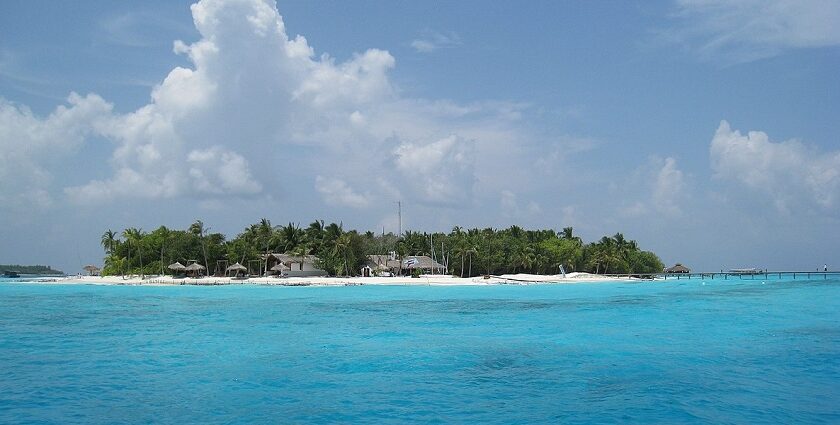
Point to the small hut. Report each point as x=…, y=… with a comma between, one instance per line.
x=677, y=268
x=92, y=270
x=237, y=270
x=194, y=268
x=177, y=268
x=280, y=269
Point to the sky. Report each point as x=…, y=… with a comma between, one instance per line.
x=705, y=130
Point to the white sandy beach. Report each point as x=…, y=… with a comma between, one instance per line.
x=423, y=280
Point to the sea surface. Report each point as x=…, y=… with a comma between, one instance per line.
x=679, y=351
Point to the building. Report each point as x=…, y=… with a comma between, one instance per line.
x=390, y=263
x=298, y=265
x=677, y=268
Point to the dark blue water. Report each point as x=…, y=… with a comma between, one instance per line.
x=669, y=352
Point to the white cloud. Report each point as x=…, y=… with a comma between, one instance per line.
x=430, y=41
x=511, y=207
x=440, y=172
x=790, y=173
x=256, y=108
x=337, y=192
x=663, y=189
x=30, y=145
x=742, y=31
x=219, y=171
x=668, y=188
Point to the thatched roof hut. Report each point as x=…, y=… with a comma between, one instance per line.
x=677, y=268
x=236, y=268
x=280, y=267
x=177, y=266
x=195, y=268
x=92, y=270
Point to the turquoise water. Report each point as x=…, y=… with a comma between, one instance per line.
x=689, y=351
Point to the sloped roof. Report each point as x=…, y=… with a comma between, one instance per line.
x=237, y=266
x=677, y=268
x=420, y=262
x=408, y=262
x=176, y=266
x=288, y=258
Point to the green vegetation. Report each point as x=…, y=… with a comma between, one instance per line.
x=29, y=269
x=343, y=252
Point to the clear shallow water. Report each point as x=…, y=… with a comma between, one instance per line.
x=735, y=351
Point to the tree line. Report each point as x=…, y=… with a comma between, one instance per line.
x=340, y=252
x=37, y=269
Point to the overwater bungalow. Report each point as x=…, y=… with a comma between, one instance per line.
x=677, y=268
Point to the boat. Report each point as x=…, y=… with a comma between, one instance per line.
x=745, y=271
x=9, y=274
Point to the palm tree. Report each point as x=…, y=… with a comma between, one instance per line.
x=460, y=249
x=265, y=233
x=136, y=235
x=522, y=255
x=342, y=244
x=109, y=238
x=472, y=248
x=314, y=235
x=291, y=236
x=200, y=230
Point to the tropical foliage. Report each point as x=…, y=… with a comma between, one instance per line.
x=38, y=269
x=465, y=253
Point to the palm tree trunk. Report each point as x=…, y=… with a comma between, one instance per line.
x=129, y=258
x=141, y=264
x=346, y=271
x=204, y=250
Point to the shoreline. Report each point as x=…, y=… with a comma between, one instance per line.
x=423, y=280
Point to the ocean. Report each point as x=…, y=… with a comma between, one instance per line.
x=676, y=351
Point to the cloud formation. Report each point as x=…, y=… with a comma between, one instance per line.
x=743, y=31
x=663, y=189
x=255, y=104
x=31, y=145
x=792, y=174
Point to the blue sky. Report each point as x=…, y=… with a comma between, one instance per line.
x=705, y=130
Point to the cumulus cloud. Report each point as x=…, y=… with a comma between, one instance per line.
x=664, y=189
x=512, y=207
x=337, y=192
x=747, y=30
x=668, y=188
x=30, y=145
x=256, y=108
x=441, y=172
x=790, y=173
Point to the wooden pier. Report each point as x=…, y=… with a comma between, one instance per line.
x=735, y=275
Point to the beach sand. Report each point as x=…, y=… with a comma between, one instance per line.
x=424, y=280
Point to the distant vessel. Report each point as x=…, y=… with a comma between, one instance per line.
x=745, y=271
x=11, y=274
